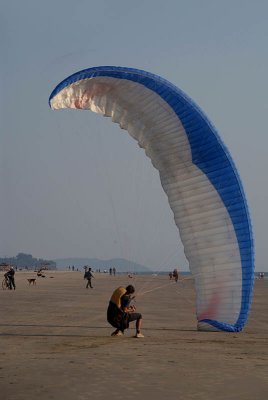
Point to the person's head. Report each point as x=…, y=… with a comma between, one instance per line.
x=130, y=289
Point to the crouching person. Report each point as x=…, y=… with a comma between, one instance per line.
x=120, y=313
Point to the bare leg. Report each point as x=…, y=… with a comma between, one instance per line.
x=138, y=325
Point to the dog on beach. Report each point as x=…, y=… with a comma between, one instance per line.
x=32, y=280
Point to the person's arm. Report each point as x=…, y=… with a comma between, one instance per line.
x=125, y=305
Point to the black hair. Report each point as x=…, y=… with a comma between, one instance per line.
x=130, y=289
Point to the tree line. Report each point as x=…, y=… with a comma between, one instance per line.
x=23, y=260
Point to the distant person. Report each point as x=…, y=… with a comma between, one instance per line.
x=110, y=271
x=7, y=280
x=88, y=275
x=176, y=275
x=114, y=271
x=10, y=278
x=120, y=313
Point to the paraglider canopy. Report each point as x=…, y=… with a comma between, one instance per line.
x=197, y=173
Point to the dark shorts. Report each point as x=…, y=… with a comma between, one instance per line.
x=116, y=317
x=134, y=316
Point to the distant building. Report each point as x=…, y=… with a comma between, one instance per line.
x=5, y=266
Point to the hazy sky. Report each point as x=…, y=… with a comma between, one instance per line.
x=73, y=184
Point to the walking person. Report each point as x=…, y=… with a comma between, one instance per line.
x=88, y=275
x=10, y=277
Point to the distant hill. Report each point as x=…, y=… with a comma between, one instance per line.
x=120, y=264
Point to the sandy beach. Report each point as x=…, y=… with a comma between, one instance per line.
x=55, y=343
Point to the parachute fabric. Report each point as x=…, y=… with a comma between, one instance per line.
x=197, y=173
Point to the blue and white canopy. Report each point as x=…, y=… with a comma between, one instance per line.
x=197, y=173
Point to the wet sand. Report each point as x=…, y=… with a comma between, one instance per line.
x=55, y=343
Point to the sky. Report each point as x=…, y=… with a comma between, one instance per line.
x=73, y=184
